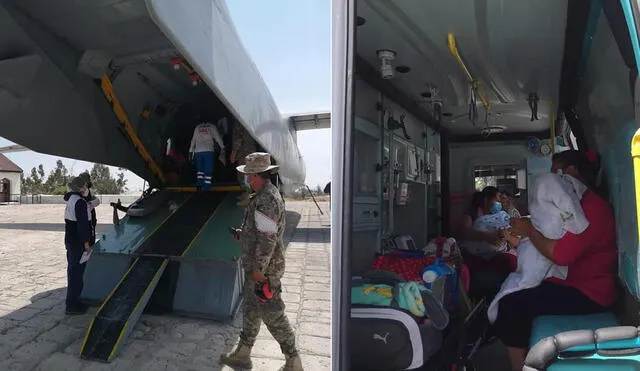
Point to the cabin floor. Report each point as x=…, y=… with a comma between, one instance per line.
x=35, y=334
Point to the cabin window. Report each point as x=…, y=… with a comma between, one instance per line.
x=504, y=177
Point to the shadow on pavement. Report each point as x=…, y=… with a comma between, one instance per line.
x=312, y=235
x=292, y=220
x=37, y=335
x=40, y=337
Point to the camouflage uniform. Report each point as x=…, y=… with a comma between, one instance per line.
x=264, y=251
x=261, y=242
x=243, y=145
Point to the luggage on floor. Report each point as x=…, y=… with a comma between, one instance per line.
x=387, y=289
x=386, y=336
x=409, y=266
x=386, y=339
x=405, y=295
x=406, y=265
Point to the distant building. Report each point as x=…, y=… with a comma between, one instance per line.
x=10, y=183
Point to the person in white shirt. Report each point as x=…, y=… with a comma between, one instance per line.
x=203, y=145
x=508, y=202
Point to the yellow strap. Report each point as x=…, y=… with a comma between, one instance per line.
x=635, y=154
x=451, y=38
x=107, y=89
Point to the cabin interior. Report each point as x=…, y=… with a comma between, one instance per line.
x=453, y=96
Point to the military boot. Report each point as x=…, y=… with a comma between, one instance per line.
x=292, y=364
x=241, y=357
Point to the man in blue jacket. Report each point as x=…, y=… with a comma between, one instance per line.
x=77, y=240
x=93, y=202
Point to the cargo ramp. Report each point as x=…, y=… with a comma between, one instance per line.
x=120, y=311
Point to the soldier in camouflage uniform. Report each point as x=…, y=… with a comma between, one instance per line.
x=261, y=240
x=243, y=144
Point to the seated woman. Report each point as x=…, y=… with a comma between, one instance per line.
x=555, y=210
x=590, y=257
x=485, y=244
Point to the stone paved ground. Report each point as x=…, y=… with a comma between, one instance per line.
x=36, y=335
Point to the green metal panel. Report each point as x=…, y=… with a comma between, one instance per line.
x=210, y=277
x=215, y=241
x=209, y=289
x=132, y=231
x=102, y=275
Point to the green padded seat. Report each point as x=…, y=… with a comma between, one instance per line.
x=550, y=325
x=594, y=365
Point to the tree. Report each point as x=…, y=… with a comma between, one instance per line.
x=56, y=182
x=58, y=179
x=25, y=184
x=104, y=183
x=34, y=184
x=121, y=182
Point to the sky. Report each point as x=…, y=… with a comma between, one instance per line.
x=289, y=41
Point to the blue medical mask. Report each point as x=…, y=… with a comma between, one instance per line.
x=496, y=208
x=245, y=182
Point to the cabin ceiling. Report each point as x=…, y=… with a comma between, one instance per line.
x=513, y=48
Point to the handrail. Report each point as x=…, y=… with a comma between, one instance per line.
x=635, y=155
x=552, y=125
x=474, y=83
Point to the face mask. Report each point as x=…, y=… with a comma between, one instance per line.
x=245, y=181
x=496, y=208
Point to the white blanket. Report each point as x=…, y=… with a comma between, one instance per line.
x=488, y=223
x=555, y=210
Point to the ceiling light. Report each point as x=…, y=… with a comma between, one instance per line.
x=386, y=68
x=493, y=129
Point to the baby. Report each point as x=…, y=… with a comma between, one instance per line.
x=555, y=210
x=496, y=222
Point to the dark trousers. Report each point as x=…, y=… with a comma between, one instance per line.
x=502, y=263
x=75, y=273
x=517, y=311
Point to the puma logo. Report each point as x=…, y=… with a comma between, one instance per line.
x=381, y=338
